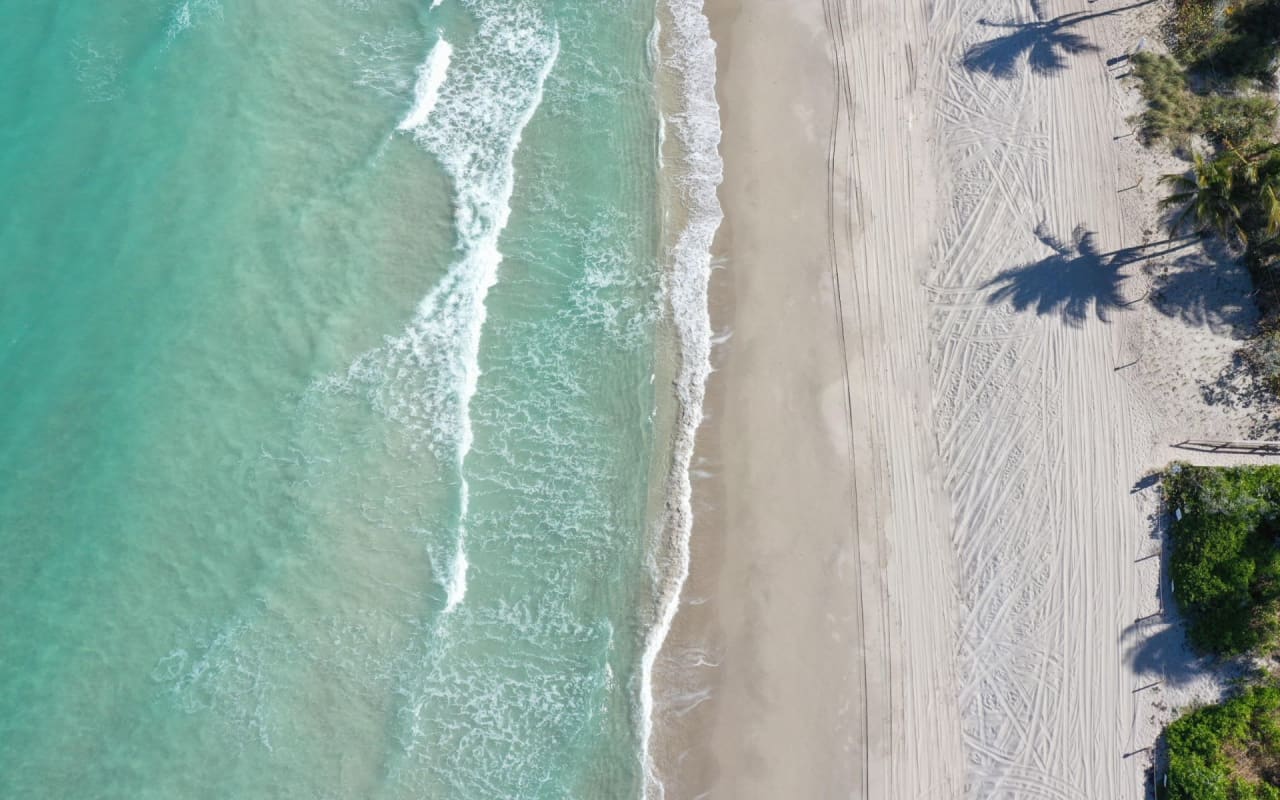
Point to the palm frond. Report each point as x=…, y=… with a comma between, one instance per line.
x=1271, y=208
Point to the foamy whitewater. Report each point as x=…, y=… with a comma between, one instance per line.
x=426, y=92
x=694, y=175
x=335, y=463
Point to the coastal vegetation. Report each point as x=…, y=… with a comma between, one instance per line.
x=1225, y=568
x=1178, y=115
x=1230, y=41
x=1227, y=751
x=1225, y=562
x=1213, y=101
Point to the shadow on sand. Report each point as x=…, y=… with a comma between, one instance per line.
x=1044, y=43
x=1156, y=645
x=1076, y=279
x=1164, y=652
x=1207, y=287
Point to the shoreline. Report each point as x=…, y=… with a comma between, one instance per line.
x=779, y=675
x=685, y=68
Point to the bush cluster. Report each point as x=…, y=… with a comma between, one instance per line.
x=1192, y=28
x=1247, y=45
x=1225, y=561
x=1237, y=40
x=1225, y=566
x=1229, y=751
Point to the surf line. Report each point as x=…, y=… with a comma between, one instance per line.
x=691, y=58
x=482, y=166
x=426, y=90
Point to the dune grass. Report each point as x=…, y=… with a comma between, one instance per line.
x=1173, y=111
x=1177, y=115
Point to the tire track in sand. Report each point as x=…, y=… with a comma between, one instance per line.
x=878, y=179
x=1038, y=435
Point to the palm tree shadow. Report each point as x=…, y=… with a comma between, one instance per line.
x=1207, y=286
x=1160, y=649
x=1044, y=43
x=1074, y=281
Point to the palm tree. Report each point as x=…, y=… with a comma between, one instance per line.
x=1208, y=198
x=1258, y=179
x=1266, y=175
x=1270, y=208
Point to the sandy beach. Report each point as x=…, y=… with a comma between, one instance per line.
x=784, y=670
x=922, y=558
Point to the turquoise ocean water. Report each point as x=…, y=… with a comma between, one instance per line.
x=337, y=432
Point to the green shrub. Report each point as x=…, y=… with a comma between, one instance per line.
x=1193, y=28
x=1249, y=44
x=1238, y=119
x=1226, y=563
x=1229, y=751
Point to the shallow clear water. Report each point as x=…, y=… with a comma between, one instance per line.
x=326, y=397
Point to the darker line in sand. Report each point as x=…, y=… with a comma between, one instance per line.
x=834, y=19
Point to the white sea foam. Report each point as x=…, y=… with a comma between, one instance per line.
x=426, y=377
x=690, y=58
x=189, y=14
x=380, y=61
x=97, y=70
x=653, y=45
x=457, y=588
x=221, y=673
x=426, y=91
x=180, y=21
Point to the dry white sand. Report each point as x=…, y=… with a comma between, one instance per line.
x=923, y=557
